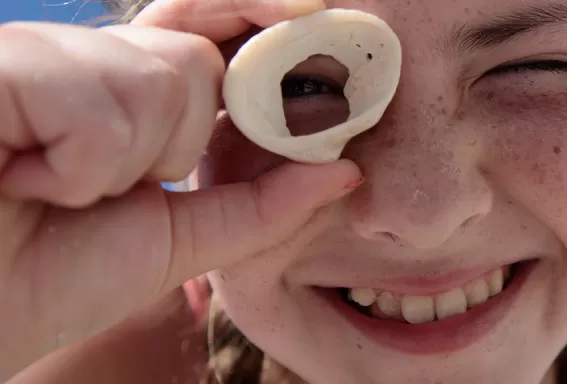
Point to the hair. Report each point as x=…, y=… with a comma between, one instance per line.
x=125, y=10
x=233, y=359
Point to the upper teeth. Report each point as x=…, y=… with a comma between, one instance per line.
x=422, y=309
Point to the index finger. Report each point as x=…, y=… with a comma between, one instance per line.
x=220, y=20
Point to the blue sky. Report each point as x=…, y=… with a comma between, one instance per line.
x=65, y=11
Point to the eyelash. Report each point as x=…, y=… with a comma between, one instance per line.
x=556, y=66
x=295, y=86
x=305, y=86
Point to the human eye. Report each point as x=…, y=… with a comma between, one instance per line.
x=296, y=86
x=552, y=66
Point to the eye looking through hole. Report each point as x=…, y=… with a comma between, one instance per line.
x=313, y=97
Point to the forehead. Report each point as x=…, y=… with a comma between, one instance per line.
x=445, y=10
x=456, y=26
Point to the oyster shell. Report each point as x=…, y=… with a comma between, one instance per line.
x=362, y=42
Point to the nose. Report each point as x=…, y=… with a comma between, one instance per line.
x=422, y=180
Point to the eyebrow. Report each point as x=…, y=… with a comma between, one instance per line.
x=503, y=28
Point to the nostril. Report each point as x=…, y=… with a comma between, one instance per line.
x=393, y=237
x=472, y=220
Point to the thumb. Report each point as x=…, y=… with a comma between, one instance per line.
x=216, y=227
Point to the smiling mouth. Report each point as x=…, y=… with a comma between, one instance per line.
x=386, y=305
x=443, y=322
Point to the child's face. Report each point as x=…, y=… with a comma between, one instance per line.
x=466, y=173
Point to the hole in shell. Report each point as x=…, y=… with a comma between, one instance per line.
x=313, y=97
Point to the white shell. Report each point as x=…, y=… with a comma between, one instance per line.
x=362, y=42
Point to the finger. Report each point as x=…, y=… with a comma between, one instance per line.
x=85, y=271
x=217, y=227
x=90, y=152
x=39, y=86
x=220, y=20
x=192, y=131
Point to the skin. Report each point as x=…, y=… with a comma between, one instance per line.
x=93, y=250
x=465, y=169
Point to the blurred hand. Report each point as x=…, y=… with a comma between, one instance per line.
x=90, y=121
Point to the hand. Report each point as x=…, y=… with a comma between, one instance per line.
x=90, y=120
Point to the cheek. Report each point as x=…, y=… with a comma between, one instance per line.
x=527, y=152
x=529, y=136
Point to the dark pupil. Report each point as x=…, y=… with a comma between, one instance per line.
x=300, y=87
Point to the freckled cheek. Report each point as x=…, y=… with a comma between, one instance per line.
x=528, y=139
x=231, y=157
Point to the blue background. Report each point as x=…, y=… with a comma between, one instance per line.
x=66, y=11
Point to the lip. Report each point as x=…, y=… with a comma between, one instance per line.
x=433, y=285
x=421, y=285
x=448, y=335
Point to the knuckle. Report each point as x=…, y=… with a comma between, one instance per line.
x=157, y=76
x=200, y=56
x=72, y=194
x=17, y=33
x=162, y=88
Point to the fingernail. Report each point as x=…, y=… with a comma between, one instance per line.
x=304, y=7
x=355, y=184
x=348, y=188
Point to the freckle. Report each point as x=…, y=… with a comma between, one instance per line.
x=557, y=150
x=440, y=98
x=490, y=96
x=390, y=143
x=461, y=115
x=443, y=111
x=430, y=19
x=467, y=10
x=359, y=346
